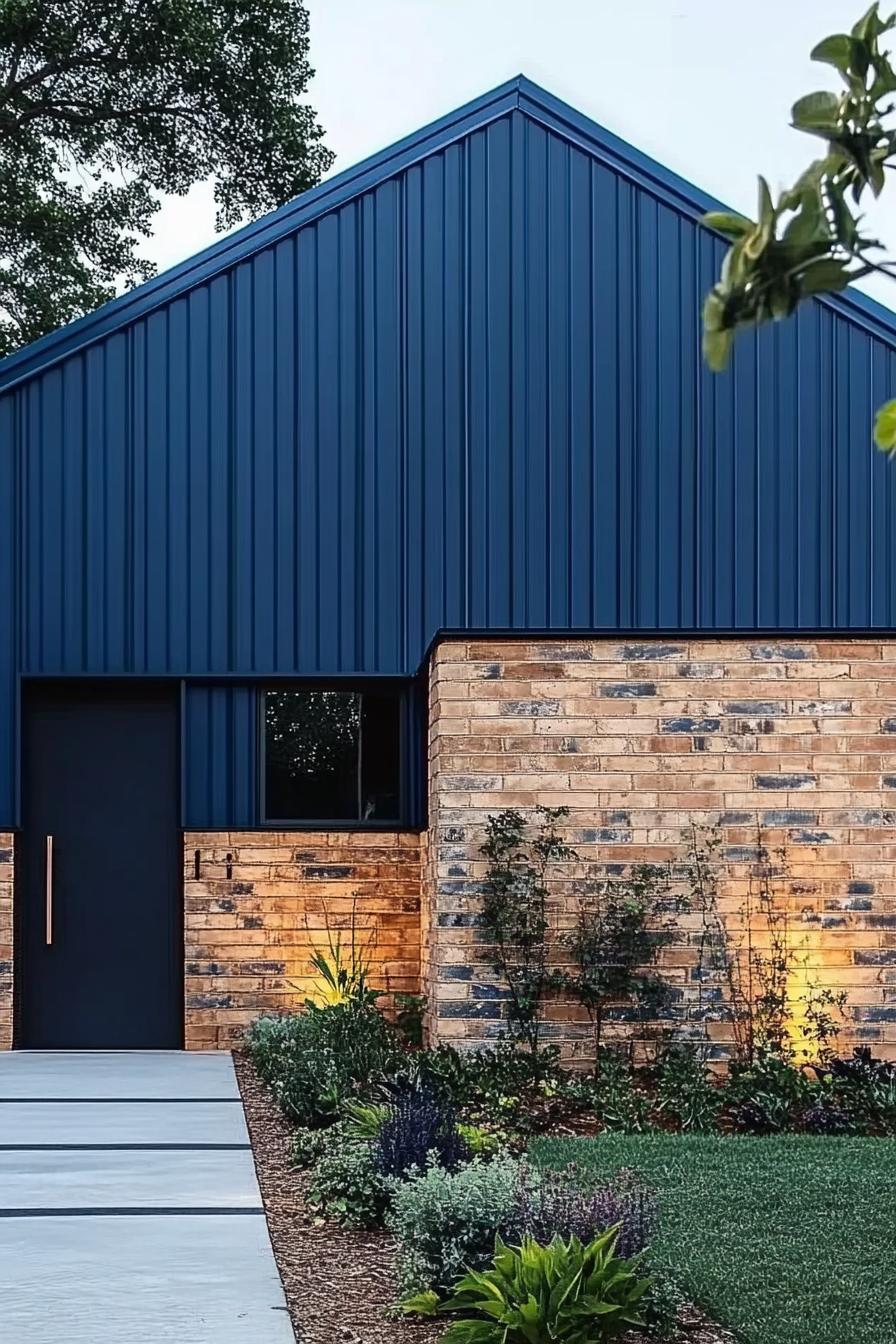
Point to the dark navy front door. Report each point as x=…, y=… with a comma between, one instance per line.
x=100, y=932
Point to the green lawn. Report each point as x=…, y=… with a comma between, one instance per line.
x=789, y=1240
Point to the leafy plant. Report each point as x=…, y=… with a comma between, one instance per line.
x=685, y=1094
x=444, y=1221
x=346, y=1185
x=561, y=1203
x=343, y=967
x=418, y=1128
x=316, y=1061
x=364, y=1119
x=620, y=928
x=515, y=910
x=769, y=1095
x=810, y=241
x=411, y=1010
x=620, y=1102
x=864, y=1088
x=479, y=1142
x=562, y=1293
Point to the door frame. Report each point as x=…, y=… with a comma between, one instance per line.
x=96, y=686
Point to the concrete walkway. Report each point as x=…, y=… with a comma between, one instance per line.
x=129, y=1208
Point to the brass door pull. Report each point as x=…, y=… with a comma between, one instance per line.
x=49, y=892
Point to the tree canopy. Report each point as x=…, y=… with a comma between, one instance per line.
x=107, y=104
x=812, y=239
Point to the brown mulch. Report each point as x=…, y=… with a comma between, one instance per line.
x=340, y=1285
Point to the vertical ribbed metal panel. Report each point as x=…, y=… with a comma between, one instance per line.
x=470, y=396
x=220, y=757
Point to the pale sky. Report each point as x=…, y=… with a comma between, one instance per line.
x=703, y=86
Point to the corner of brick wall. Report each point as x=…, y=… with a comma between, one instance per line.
x=261, y=905
x=6, y=940
x=641, y=738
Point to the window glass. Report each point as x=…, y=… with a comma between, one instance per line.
x=332, y=755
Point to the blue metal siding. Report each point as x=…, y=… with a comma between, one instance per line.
x=468, y=394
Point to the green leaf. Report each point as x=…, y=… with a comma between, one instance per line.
x=421, y=1304
x=817, y=112
x=732, y=226
x=826, y=276
x=834, y=50
x=885, y=428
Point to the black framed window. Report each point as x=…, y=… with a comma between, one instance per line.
x=332, y=755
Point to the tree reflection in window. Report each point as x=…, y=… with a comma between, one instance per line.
x=332, y=755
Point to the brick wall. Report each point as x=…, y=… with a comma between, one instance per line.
x=6, y=936
x=261, y=905
x=638, y=739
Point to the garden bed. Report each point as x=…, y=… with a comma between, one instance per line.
x=340, y=1284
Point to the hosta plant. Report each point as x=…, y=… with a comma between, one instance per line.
x=562, y=1293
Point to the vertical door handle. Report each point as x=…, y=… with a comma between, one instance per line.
x=49, y=890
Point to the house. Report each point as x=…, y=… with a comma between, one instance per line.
x=411, y=501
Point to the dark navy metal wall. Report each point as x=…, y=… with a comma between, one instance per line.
x=460, y=387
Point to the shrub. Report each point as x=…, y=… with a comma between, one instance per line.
x=444, y=1221
x=316, y=1060
x=345, y=1185
x=865, y=1089
x=553, y=1203
x=307, y=1147
x=562, y=1293
x=685, y=1095
x=768, y=1096
x=619, y=1102
x=411, y=1010
x=418, y=1128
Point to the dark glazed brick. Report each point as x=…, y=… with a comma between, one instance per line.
x=490, y=673
x=649, y=653
x=455, y=973
x=736, y=818
x=468, y=921
x=454, y=834
x=784, y=781
x=250, y=922
x=756, y=707
x=859, y=905
x=263, y=967
x=789, y=816
x=888, y=725
x=531, y=709
x=480, y=991
x=609, y=835
x=875, y=956
x=328, y=870
x=628, y=690
x=770, y=653
x=210, y=1001
x=874, y=1014
x=690, y=725
x=469, y=1008
x=861, y=888
x=889, y=781
x=810, y=837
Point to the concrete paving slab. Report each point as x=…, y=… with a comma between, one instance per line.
x=31, y=1122
x=73, y=1179
x=146, y=1280
x=160, y=1074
